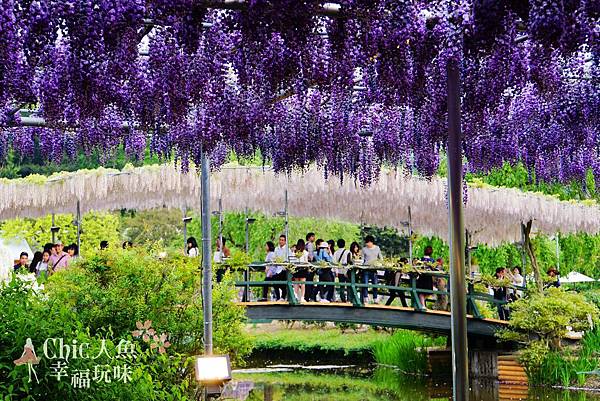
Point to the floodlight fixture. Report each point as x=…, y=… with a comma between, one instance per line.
x=213, y=371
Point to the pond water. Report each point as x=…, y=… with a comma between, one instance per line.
x=357, y=383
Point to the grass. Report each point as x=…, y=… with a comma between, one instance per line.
x=406, y=350
x=313, y=339
x=565, y=367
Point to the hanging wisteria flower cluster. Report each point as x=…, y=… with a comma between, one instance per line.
x=351, y=85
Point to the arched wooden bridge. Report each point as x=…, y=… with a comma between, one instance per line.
x=378, y=315
x=416, y=317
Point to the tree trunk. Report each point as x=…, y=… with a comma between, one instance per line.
x=530, y=252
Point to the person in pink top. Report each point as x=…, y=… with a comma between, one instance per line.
x=59, y=259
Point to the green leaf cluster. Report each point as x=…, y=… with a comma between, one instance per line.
x=103, y=296
x=546, y=315
x=96, y=227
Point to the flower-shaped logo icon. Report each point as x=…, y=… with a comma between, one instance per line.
x=144, y=330
x=149, y=335
x=161, y=343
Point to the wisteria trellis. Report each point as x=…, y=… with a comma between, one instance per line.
x=281, y=77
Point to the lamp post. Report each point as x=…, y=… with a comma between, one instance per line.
x=220, y=214
x=77, y=223
x=557, y=253
x=54, y=230
x=408, y=225
x=286, y=228
x=249, y=220
x=186, y=220
x=523, y=255
x=410, y=237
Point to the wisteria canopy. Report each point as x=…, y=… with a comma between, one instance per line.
x=302, y=81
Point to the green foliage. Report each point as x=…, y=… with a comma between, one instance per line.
x=541, y=321
x=517, y=177
x=565, y=368
x=116, y=288
x=580, y=253
x=532, y=359
x=488, y=258
x=406, y=350
x=268, y=228
x=25, y=314
x=95, y=228
x=548, y=314
x=440, y=248
x=593, y=296
x=388, y=239
x=16, y=168
x=153, y=226
x=315, y=340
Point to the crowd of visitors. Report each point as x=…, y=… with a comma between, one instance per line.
x=312, y=284
x=313, y=251
x=53, y=258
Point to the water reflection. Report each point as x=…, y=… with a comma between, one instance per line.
x=383, y=384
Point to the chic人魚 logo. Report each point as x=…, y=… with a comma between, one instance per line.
x=109, y=363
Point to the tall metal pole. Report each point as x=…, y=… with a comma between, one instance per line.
x=410, y=239
x=468, y=251
x=185, y=248
x=557, y=253
x=222, y=255
x=206, y=256
x=53, y=232
x=460, y=354
x=287, y=229
x=247, y=239
x=245, y=297
x=78, y=228
x=523, y=255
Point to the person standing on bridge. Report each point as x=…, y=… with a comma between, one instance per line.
x=282, y=252
x=371, y=254
x=343, y=258
x=302, y=271
x=501, y=295
x=325, y=273
x=273, y=272
x=425, y=281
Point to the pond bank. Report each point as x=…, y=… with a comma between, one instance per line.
x=327, y=343
x=311, y=343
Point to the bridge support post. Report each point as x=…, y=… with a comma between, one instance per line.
x=414, y=295
x=290, y=288
x=356, y=299
x=460, y=353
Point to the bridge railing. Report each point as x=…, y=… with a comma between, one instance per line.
x=353, y=287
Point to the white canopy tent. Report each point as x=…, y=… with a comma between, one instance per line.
x=10, y=249
x=492, y=215
x=576, y=277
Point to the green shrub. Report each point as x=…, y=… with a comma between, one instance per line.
x=116, y=288
x=96, y=227
x=25, y=314
x=103, y=297
x=540, y=321
x=548, y=314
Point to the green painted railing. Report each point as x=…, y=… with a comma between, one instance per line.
x=354, y=286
